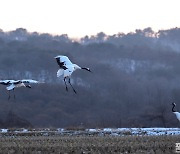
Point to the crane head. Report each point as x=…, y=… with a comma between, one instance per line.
x=28, y=86
x=87, y=69
x=174, y=104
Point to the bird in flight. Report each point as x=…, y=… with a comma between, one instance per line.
x=67, y=68
x=12, y=84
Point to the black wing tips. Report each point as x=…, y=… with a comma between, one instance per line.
x=61, y=64
x=5, y=83
x=25, y=81
x=17, y=82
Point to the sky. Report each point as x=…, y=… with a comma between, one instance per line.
x=78, y=18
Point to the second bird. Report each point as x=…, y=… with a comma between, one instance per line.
x=12, y=84
x=67, y=68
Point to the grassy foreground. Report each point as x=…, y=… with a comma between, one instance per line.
x=88, y=144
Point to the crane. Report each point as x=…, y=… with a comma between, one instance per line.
x=12, y=84
x=67, y=68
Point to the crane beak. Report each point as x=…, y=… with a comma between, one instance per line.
x=89, y=71
x=28, y=86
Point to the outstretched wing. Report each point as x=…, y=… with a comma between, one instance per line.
x=30, y=81
x=6, y=82
x=63, y=62
x=17, y=82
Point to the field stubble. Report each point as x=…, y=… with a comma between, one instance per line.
x=88, y=144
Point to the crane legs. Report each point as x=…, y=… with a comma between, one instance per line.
x=10, y=95
x=65, y=84
x=70, y=85
x=14, y=95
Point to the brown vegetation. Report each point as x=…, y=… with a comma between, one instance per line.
x=88, y=144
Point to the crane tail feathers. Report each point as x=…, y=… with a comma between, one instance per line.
x=60, y=72
x=11, y=87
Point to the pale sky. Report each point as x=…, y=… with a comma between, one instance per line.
x=78, y=18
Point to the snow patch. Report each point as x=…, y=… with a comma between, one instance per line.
x=4, y=130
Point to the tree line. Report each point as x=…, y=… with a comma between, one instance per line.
x=134, y=81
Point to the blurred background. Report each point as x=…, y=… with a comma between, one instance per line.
x=135, y=79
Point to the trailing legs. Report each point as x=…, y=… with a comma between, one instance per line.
x=65, y=83
x=72, y=86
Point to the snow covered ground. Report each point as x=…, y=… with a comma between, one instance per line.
x=99, y=132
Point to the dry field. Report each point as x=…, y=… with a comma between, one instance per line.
x=84, y=144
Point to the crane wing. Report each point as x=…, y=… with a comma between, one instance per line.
x=177, y=115
x=11, y=87
x=60, y=72
x=63, y=62
x=30, y=81
x=17, y=82
x=66, y=72
x=69, y=71
x=6, y=82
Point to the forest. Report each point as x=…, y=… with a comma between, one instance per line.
x=135, y=78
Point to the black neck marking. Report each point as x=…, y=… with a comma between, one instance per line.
x=173, y=107
x=85, y=68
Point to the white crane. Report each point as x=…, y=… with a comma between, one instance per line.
x=12, y=84
x=67, y=68
x=176, y=113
